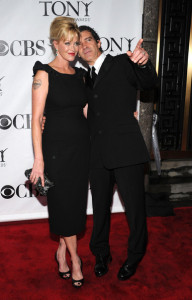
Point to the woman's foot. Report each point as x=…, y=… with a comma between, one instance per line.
x=77, y=275
x=64, y=271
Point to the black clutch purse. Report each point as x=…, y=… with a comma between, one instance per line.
x=43, y=190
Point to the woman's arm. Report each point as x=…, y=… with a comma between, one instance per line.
x=85, y=110
x=39, y=95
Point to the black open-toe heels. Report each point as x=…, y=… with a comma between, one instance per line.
x=63, y=275
x=78, y=283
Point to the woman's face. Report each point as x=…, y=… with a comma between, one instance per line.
x=67, y=49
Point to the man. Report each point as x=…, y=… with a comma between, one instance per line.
x=118, y=151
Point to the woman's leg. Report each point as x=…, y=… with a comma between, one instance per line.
x=61, y=257
x=71, y=243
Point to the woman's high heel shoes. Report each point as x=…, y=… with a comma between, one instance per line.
x=78, y=283
x=63, y=275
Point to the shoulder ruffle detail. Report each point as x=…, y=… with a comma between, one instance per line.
x=39, y=66
x=80, y=71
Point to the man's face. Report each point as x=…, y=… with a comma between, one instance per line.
x=89, y=49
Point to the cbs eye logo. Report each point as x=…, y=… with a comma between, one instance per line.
x=5, y=122
x=27, y=190
x=20, y=121
x=23, y=48
x=4, y=48
x=7, y=192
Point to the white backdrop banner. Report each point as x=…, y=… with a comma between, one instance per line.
x=24, y=39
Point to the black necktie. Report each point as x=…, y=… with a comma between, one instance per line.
x=93, y=74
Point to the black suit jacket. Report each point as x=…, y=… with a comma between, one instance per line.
x=116, y=138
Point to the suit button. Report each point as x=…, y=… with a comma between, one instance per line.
x=100, y=132
x=98, y=114
x=95, y=96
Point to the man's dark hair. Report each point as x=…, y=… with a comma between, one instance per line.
x=93, y=33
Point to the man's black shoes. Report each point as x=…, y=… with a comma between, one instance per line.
x=127, y=270
x=101, y=266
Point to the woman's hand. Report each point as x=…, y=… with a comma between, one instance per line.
x=37, y=171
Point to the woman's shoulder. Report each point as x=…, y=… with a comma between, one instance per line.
x=39, y=66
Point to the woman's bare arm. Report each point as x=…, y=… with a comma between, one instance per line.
x=39, y=95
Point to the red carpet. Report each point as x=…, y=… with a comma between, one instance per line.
x=28, y=269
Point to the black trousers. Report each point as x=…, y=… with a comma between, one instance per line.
x=130, y=183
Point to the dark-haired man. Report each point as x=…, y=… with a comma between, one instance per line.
x=118, y=151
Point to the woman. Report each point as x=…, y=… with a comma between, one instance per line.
x=63, y=149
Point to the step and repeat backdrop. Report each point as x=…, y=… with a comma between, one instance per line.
x=24, y=39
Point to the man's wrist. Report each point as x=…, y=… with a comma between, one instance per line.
x=144, y=66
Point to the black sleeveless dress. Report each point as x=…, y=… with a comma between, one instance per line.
x=65, y=143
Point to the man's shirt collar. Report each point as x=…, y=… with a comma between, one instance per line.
x=98, y=63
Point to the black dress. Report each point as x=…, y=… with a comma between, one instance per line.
x=65, y=143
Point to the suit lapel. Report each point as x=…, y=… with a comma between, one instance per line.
x=88, y=79
x=104, y=69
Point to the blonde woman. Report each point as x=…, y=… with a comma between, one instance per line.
x=63, y=149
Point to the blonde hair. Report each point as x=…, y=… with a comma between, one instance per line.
x=62, y=28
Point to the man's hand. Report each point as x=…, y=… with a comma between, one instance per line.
x=43, y=124
x=136, y=115
x=139, y=55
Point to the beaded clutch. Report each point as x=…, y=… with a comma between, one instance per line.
x=43, y=190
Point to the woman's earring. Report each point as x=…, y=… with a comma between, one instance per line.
x=56, y=52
